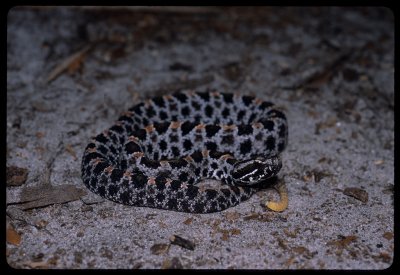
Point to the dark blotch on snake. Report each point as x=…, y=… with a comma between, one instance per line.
x=211, y=130
x=187, y=144
x=276, y=113
x=100, y=167
x=116, y=175
x=268, y=124
x=247, y=100
x=150, y=112
x=187, y=126
x=270, y=143
x=132, y=147
x=162, y=145
x=196, y=106
x=225, y=113
x=211, y=146
x=215, y=154
x=240, y=115
x=229, y=139
x=282, y=131
x=149, y=149
x=150, y=163
x=101, y=138
x=245, y=130
x=94, y=155
x=162, y=127
x=185, y=111
x=197, y=156
x=181, y=97
x=163, y=115
x=126, y=119
x=159, y=101
x=173, y=138
x=183, y=177
x=137, y=109
x=175, y=151
x=102, y=149
x=227, y=97
x=113, y=189
x=281, y=146
x=204, y=96
x=177, y=163
x=209, y=110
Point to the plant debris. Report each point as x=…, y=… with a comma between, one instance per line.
x=343, y=241
x=71, y=63
x=177, y=66
x=174, y=263
x=71, y=151
x=356, y=193
x=16, y=176
x=159, y=249
x=40, y=196
x=188, y=221
x=34, y=264
x=261, y=217
x=12, y=235
x=388, y=235
x=177, y=240
x=315, y=175
x=231, y=216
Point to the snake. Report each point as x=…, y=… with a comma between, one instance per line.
x=161, y=152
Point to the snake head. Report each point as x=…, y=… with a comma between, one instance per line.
x=253, y=171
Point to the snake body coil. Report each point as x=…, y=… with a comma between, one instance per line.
x=157, y=153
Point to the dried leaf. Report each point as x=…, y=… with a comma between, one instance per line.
x=232, y=215
x=31, y=264
x=388, y=235
x=344, y=242
x=188, y=221
x=225, y=236
x=384, y=257
x=253, y=216
x=174, y=263
x=40, y=196
x=159, y=249
x=12, y=235
x=236, y=231
x=357, y=193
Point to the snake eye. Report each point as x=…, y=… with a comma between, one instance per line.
x=253, y=171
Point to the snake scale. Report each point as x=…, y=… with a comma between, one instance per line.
x=158, y=152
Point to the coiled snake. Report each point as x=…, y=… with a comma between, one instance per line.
x=156, y=154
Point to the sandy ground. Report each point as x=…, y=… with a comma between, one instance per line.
x=72, y=71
